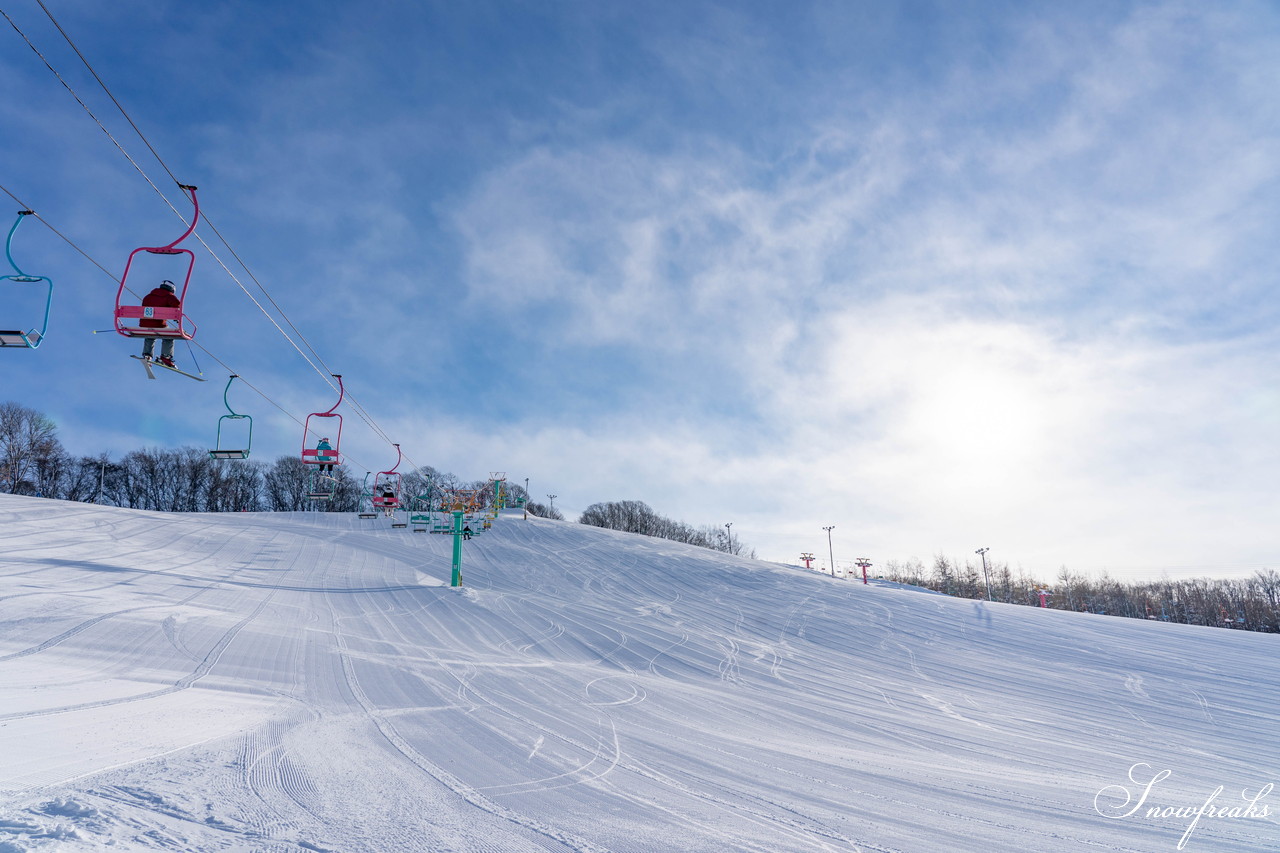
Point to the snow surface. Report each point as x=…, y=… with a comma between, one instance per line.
x=292, y=681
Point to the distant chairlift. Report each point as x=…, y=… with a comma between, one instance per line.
x=420, y=513
x=220, y=452
x=386, y=488
x=18, y=338
x=333, y=454
x=364, y=509
x=177, y=325
x=323, y=485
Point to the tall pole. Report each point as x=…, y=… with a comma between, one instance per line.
x=864, y=564
x=729, y=527
x=983, y=553
x=830, y=552
x=552, y=498
x=457, y=548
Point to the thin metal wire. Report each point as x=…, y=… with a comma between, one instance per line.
x=360, y=410
x=103, y=85
x=193, y=343
x=67, y=239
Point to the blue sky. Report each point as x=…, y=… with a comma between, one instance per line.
x=944, y=275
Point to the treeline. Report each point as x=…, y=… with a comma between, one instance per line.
x=639, y=517
x=1250, y=604
x=541, y=510
x=34, y=462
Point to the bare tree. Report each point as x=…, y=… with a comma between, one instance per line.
x=639, y=517
x=286, y=484
x=26, y=437
x=944, y=574
x=288, y=480
x=544, y=511
x=83, y=479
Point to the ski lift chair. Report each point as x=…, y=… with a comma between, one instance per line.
x=28, y=338
x=314, y=455
x=220, y=452
x=176, y=324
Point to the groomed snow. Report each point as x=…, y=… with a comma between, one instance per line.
x=287, y=682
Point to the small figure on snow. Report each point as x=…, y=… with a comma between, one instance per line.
x=163, y=296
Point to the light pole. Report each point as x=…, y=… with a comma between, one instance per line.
x=982, y=552
x=729, y=527
x=830, y=552
x=552, y=498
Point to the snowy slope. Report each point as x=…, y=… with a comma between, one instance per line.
x=284, y=682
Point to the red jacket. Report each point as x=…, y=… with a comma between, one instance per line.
x=158, y=298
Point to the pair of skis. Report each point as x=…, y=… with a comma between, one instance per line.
x=149, y=363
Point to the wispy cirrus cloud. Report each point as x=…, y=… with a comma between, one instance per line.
x=926, y=272
x=981, y=308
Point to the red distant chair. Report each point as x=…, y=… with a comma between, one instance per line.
x=332, y=455
x=386, y=487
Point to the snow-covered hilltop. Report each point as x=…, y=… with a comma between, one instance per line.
x=285, y=682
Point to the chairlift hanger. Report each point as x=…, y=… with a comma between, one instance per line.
x=333, y=456
x=366, y=494
x=321, y=486
x=31, y=338
x=388, y=481
x=220, y=452
x=177, y=324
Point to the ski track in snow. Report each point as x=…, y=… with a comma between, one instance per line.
x=293, y=681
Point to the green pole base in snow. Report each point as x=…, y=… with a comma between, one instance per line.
x=457, y=548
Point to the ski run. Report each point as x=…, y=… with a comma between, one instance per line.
x=311, y=682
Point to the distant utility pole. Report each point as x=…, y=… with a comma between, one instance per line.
x=864, y=564
x=830, y=552
x=729, y=527
x=983, y=553
x=552, y=498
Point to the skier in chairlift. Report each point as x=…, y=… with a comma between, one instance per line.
x=326, y=461
x=163, y=296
